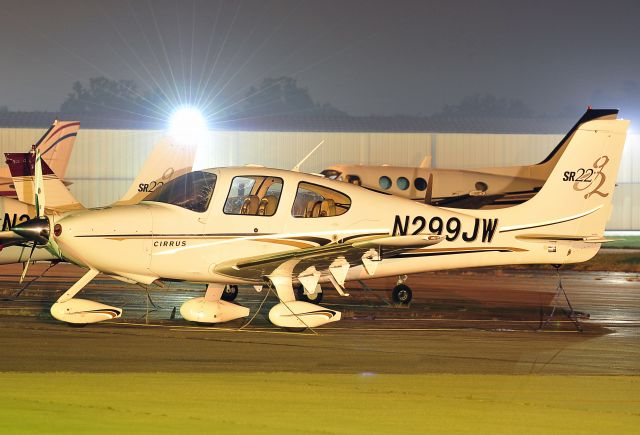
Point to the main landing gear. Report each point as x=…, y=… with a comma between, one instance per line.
x=229, y=293
x=301, y=295
x=297, y=315
x=401, y=293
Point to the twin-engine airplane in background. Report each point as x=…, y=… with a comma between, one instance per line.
x=268, y=227
x=461, y=188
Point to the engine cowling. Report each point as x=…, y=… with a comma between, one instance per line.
x=299, y=314
x=203, y=311
x=82, y=311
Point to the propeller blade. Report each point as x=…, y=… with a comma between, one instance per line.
x=26, y=264
x=39, y=190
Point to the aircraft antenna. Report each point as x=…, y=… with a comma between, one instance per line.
x=296, y=168
x=428, y=194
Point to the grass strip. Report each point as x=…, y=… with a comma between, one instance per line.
x=281, y=402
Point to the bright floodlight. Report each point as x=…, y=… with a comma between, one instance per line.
x=187, y=125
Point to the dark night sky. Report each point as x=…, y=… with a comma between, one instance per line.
x=363, y=56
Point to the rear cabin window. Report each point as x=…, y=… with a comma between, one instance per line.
x=385, y=182
x=420, y=183
x=253, y=196
x=402, y=183
x=314, y=201
x=191, y=191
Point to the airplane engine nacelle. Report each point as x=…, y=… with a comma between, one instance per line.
x=298, y=314
x=82, y=311
x=204, y=311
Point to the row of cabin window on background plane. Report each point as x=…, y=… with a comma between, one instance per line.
x=385, y=182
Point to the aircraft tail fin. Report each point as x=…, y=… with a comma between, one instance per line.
x=22, y=168
x=426, y=162
x=56, y=144
x=166, y=162
x=590, y=115
x=576, y=199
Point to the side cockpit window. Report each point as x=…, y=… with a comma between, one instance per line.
x=191, y=191
x=313, y=201
x=254, y=196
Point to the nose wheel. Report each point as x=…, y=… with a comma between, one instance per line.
x=402, y=294
x=229, y=293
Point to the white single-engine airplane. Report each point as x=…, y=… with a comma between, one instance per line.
x=461, y=188
x=258, y=226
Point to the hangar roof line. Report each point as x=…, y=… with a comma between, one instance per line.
x=306, y=123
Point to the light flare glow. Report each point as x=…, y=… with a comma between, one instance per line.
x=188, y=126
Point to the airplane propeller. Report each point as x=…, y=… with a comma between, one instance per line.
x=36, y=230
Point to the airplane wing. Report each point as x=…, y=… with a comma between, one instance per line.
x=332, y=258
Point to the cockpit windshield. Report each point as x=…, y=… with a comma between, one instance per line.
x=332, y=174
x=191, y=191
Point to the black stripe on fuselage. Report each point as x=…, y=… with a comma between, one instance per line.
x=434, y=254
x=318, y=240
x=178, y=235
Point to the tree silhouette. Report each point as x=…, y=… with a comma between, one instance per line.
x=486, y=106
x=283, y=96
x=120, y=97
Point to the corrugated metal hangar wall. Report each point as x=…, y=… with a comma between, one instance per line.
x=104, y=162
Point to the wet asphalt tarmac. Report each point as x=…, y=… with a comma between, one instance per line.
x=481, y=321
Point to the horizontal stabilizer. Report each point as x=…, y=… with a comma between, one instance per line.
x=23, y=164
x=22, y=168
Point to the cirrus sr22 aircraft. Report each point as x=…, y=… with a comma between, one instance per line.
x=259, y=226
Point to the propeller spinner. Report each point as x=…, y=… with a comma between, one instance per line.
x=37, y=230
